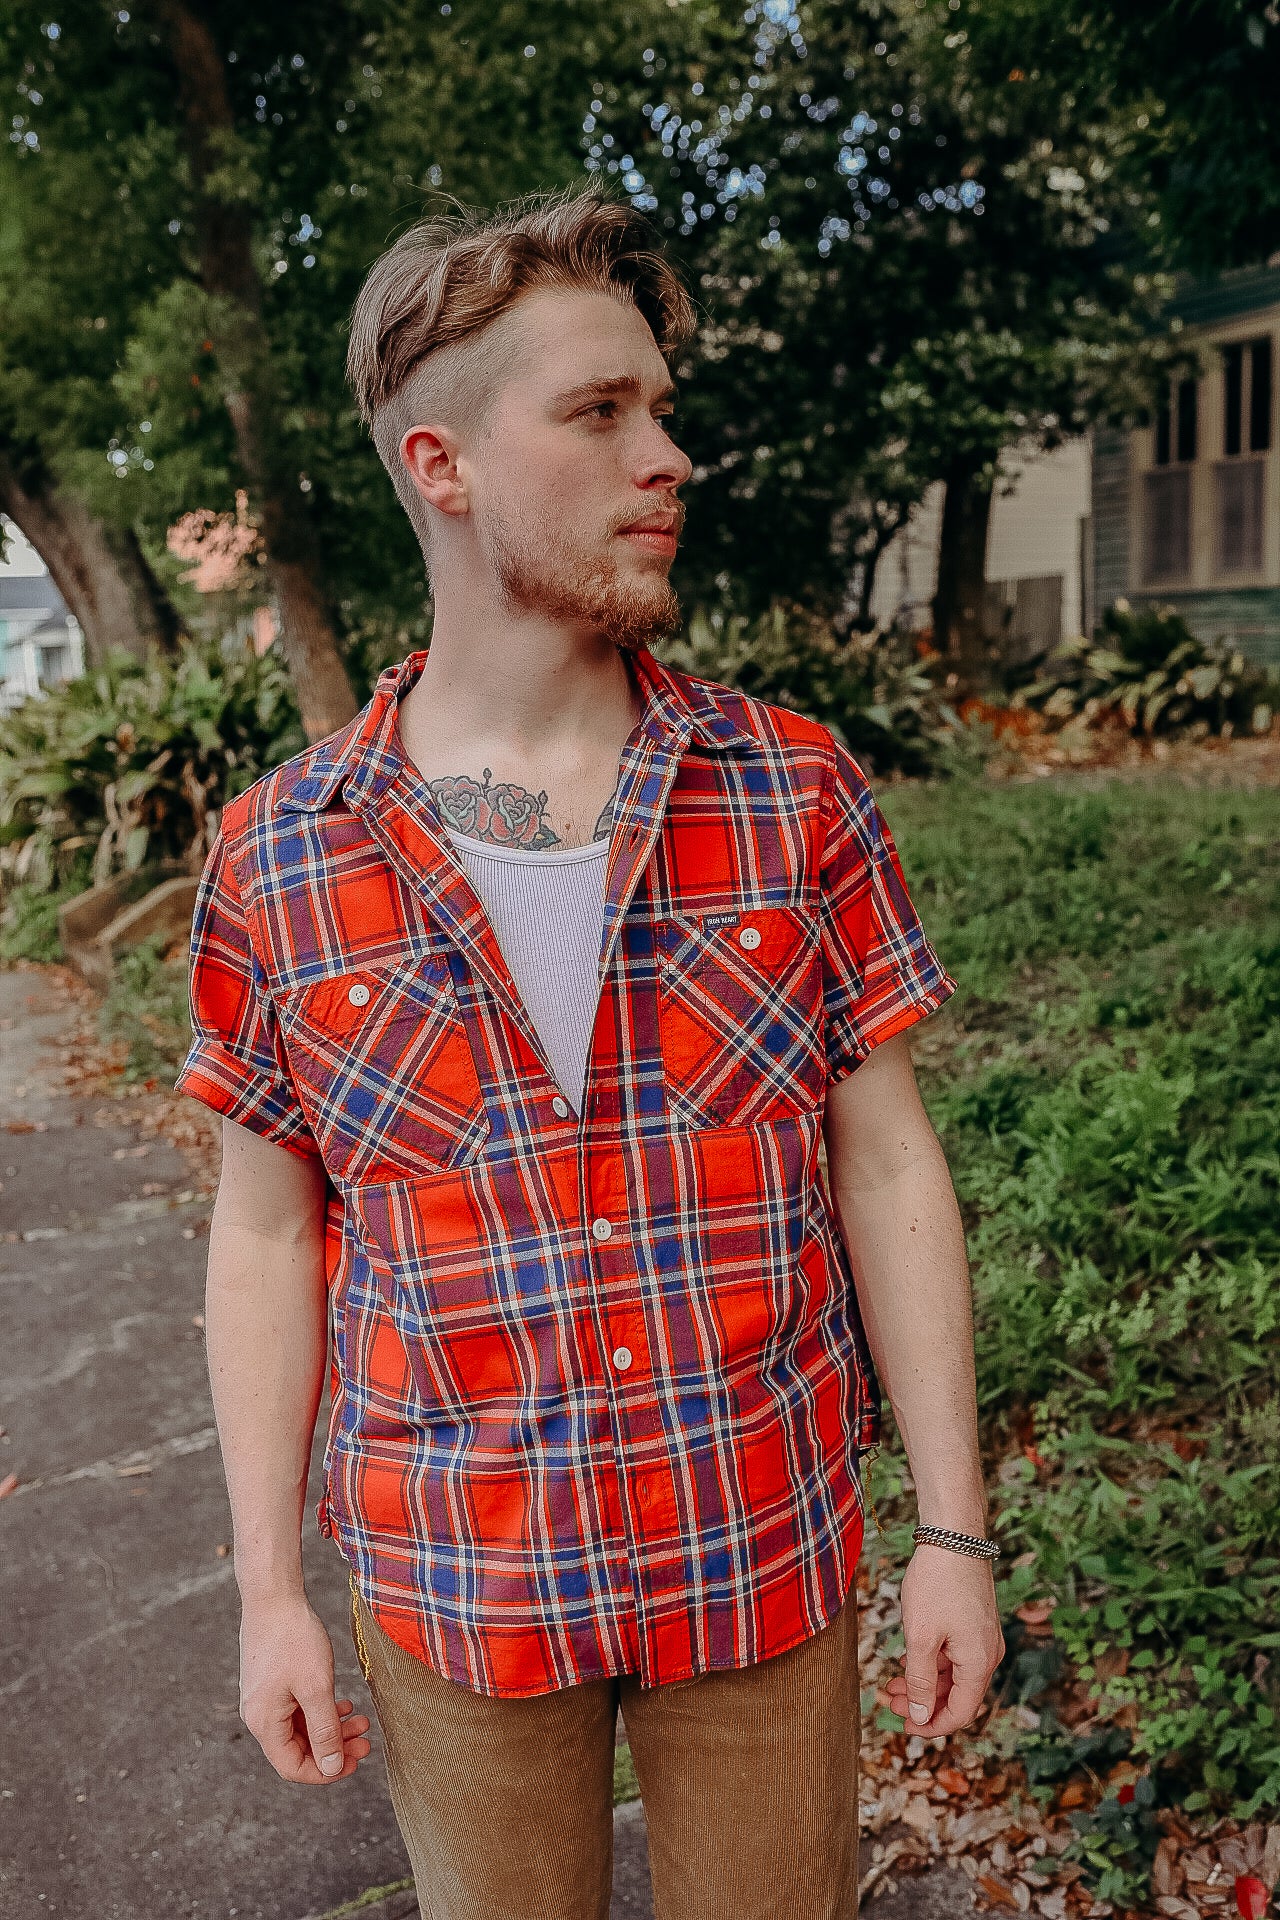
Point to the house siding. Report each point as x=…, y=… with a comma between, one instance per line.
x=1110, y=517
x=1249, y=617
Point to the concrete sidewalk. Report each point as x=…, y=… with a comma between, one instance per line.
x=130, y=1789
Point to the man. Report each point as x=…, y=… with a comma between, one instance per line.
x=528, y=1000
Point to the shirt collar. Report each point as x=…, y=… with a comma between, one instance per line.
x=365, y=756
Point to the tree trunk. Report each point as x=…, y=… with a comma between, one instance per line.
x=229, y=274
x=959, y=626
x=100, y=570
x=884, y=533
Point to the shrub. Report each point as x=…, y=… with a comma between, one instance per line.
x=130, y=764
x=146, y=1007
x=875, y=691
x=1149, y=670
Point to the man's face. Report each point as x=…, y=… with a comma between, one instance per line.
x=572, y=483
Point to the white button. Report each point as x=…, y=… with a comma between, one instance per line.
x=622, y=1358
x=560, y=1106
x=359, y=994
x=601, y=1229
x=749, y=937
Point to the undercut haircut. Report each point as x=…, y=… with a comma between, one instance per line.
x=419, y=350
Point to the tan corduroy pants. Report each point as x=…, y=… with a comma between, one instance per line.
x=749, y=1779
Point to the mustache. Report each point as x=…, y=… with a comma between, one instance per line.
x=669, y=508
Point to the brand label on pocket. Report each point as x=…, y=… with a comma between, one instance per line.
x=712, y=920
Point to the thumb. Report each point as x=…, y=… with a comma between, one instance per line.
x=324, y=1732
x=922, y=1678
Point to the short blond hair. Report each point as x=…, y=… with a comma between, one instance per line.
x=414, y=343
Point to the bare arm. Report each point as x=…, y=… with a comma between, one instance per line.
x=901, y=1225
x=267, y=1332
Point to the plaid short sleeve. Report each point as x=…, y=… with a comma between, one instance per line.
x=236, y=1064
x=880, y=973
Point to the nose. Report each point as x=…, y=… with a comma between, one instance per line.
x=662, y=462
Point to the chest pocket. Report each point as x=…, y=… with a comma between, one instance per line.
x=740, y=1010
x=385, y=1072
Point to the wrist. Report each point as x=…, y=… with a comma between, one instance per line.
x=269, y=1581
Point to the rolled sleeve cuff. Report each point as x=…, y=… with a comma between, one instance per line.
x=852, y=1037
x=215, y=1076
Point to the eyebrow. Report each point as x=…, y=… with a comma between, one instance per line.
x=623, y=384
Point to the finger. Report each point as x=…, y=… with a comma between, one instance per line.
x=897, y=1687
x=324, y=1732
x=921, y=1675
x=957, y=1709
x=277, y=1732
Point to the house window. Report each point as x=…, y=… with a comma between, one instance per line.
x=1248, y=389
x=1167, y=523
x=1260, y=395
x=1240, y=486
x=1176, y=424
x=1240, y=478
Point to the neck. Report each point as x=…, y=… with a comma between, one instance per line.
x=533, y=687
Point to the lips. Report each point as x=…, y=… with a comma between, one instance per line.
x=657, y=531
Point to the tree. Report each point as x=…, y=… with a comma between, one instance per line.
x=1198, y=82
x=240, y=167
x=907, y=247
x=63, y=316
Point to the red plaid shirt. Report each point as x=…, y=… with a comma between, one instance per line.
x=599, y=1385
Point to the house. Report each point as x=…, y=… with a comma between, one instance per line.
x=40, y=641
x=1039, y=554
x=1186, y=511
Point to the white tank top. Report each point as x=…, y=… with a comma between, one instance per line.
x=547, y=909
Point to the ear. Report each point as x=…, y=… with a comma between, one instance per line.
x=430, y=458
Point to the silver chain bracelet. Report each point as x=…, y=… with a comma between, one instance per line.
x=969, y=1543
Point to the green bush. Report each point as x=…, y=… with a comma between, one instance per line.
x=129, y=764
x=146, y=1006
x=874, y=691
x=1107, y=1089
x=1147, y=668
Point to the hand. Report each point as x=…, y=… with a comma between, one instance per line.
x=287, y=1694
x=954, y=1643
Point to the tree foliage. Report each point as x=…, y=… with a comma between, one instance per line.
x=913, y=249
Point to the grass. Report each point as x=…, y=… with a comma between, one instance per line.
x=1106, y=1084
x=146, y=1007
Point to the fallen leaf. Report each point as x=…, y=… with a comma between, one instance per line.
x=1074, y=1794
x=1034, y=1613
x=1270, y=1869
x=1251, y=1896
x=919, y=1815
x=1166, y=1869
x=952, y=1781
x=127, y=1473
x=8, y=1484
x=997, y=1890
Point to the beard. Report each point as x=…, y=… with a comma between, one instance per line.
x=539, y=572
